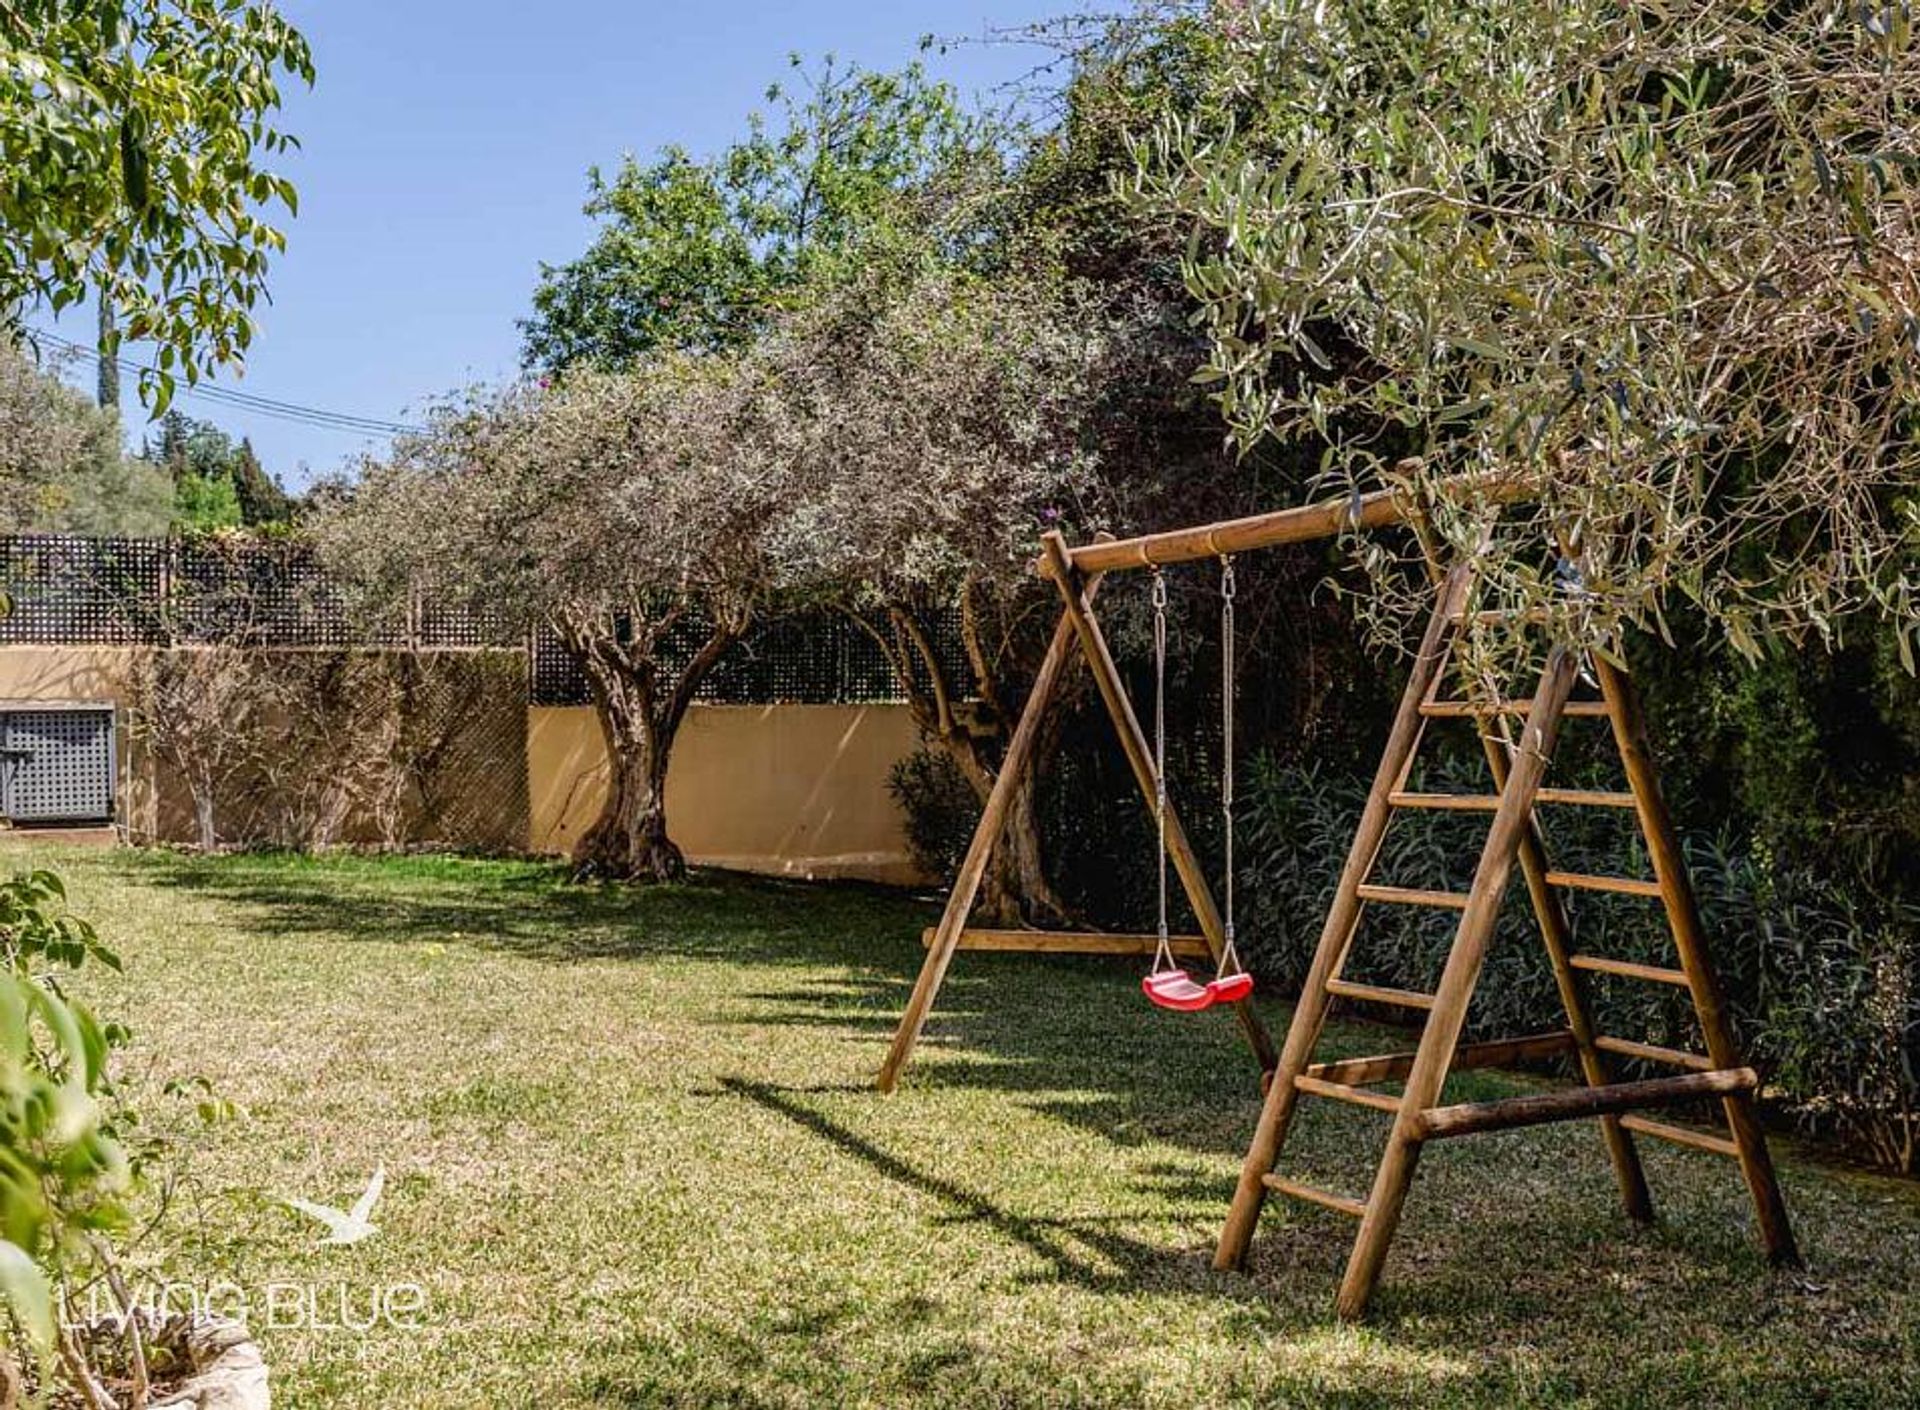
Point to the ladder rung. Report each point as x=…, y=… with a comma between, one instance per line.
x=1341, y=1092
x=1618, y=885
x=1293, y=1189
x=1377, y=994
x=1681, y=1135
x=1627, y=969
x=1447, y=802
x=1470, y=709
x=1650, y=1052
x=1409, y=896
x=1500, y=1052
x=1585, y=798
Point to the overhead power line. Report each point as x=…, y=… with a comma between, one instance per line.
x=246, y=401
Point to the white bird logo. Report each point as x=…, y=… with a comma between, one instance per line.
x=350, y=1226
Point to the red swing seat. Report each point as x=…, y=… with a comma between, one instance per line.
x=1174, y=989
x=1231, y=988
x=1177, y=990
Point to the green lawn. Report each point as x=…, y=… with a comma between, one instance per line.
x=635, y=1159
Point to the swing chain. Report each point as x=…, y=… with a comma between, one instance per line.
x=1163, y=951
x=1229, y=590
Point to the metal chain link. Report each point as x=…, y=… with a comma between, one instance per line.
x=1229, y=590
x=1163, y=952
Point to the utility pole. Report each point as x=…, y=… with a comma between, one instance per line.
x=109, y=386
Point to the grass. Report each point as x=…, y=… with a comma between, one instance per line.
x=635, y=1159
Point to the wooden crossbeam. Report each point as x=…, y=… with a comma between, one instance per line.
x=1070, y=942
x=1502, y=1052
x=1323, y=520
x=1441, y=1123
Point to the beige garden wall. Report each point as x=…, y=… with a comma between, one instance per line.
x=791, y=790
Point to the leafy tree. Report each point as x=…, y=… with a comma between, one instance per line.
x=629, y=512
x=205, y=503
x=132, y=138
x=694, y=255
x=1660, y=261
x=219, y=484
x=61, y=466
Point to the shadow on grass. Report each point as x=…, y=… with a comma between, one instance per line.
x=1013, y=1022
x=1129, y=1262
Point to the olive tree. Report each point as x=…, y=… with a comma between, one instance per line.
x=61, y=466
x=932, y=423
x=629, y=512
x=1662, y=261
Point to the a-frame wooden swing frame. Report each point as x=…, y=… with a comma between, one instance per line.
x=1518, y=768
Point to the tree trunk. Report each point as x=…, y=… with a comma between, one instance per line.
x=639, y=717
x=1015, y=890
x=629, y=840
x=203, y=818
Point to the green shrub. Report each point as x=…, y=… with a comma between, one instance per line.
x=1824, y=990
x=74, y=1153
x=939, y=808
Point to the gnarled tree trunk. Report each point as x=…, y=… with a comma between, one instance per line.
x=629, y=840
x=640, y=717
x=1015, y=890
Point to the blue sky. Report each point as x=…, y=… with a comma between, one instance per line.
x=446, y=150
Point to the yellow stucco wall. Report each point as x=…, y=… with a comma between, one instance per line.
x=792, y=790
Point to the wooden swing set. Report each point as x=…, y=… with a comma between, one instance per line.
x=1518, y=766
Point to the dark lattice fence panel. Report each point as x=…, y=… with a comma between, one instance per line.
x=554, y=674
x=440, y=625
x=67, y=590
x=263, y=594
x=813, y=658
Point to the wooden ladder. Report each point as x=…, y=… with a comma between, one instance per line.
x=1416, y=1116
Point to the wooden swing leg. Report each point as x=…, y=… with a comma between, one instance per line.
x=1014, y=769
x=1078, y=600
x=1310, y=1012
